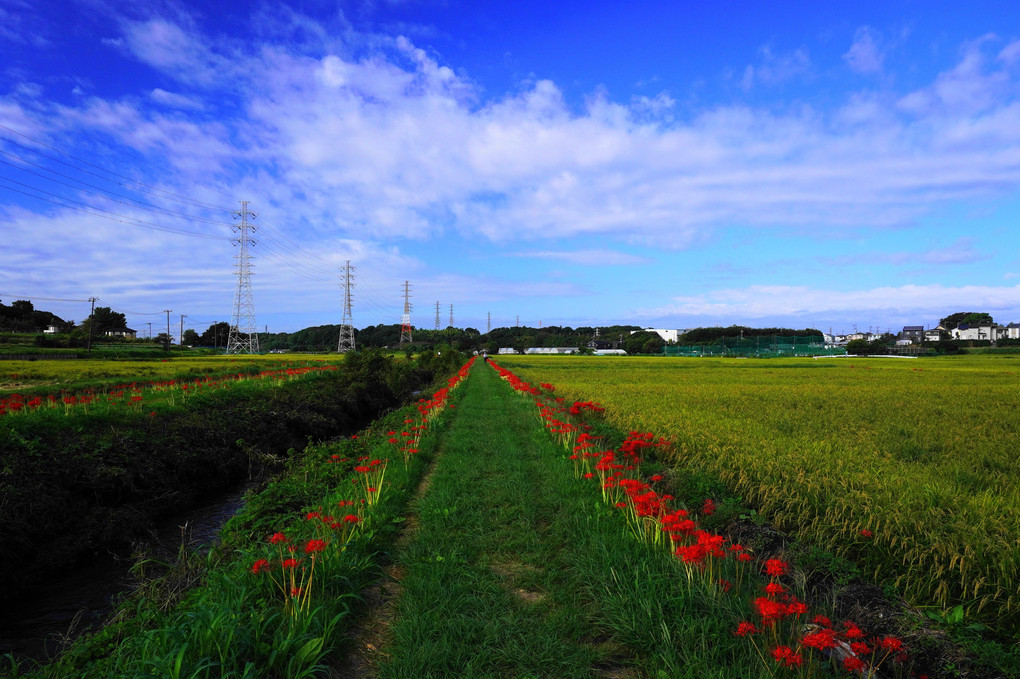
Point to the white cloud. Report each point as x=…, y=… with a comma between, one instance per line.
x=960, y=252
x=865, y=55
x=763, y=301
x=594, y=258
x=773, y=68
x=174, y=100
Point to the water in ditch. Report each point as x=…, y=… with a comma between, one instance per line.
x=37, y=626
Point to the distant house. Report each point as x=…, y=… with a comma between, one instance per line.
x=609, y=352
x=984, y=331
x=551, y=350
x=50, y=330
x=1012, y=331
x=507, y=350
x=912, y=333
x=121, y=332
x=936, y=334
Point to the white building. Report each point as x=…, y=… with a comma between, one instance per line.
x=986, y=331
x=666, y=334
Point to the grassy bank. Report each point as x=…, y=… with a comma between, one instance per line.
x=116, y=470
x=277, y=593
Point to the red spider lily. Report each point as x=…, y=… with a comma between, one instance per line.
x=746, y=628
x=866, y=533
x=290, y=563
x=822, y=639
x=277, y=538
x=774, y=589
x=854, y=664
x=260, y=566
x=852, y=631
x=314, y=546
x=822, y=620
x=708, y=509
x=786, y=655
x=776, y=567
x=889, y=643
x=769, y=610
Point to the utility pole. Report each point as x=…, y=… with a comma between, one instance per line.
x=92, y=320
x=180, y=339
x=346, y=342
x=488, y=323
x=150, y=329
x=405, y=318
x=168, y=312
x=451, y=315
x=437, y=315
x=244, y=335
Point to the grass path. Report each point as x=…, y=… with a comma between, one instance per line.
x=516, y=569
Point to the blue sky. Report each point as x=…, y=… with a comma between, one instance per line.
x=668, y=164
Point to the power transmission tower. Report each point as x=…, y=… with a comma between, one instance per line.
x=180, y=338
x=437, y=315
x=244, y=334
x=346, y=342
x=451, y=315
x=488, y=322
x=405, y=318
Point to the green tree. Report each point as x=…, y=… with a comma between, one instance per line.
x=966, y=318
x=216, y=335
x=858, y=346
x=102, y=319
x=165, y=339
x=191, y=338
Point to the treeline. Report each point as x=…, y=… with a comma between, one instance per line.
x=325, y=338
x=22, y=316
x=710, y=335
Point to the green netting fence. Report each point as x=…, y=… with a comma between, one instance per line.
x=769, y=345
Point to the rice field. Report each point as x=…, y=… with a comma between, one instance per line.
x=36, y=376
x=909, y=467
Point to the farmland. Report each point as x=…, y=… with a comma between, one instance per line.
x=907, y=467
x=511, y=546
x=73, y=375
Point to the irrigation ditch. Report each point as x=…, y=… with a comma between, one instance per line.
x=88, y=501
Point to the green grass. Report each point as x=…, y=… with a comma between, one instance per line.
x=518, y=570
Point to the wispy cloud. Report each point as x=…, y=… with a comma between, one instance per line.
x=773, y=68
x=865, y=54
x=960, y=252
x=588, y=257
x=781, y=301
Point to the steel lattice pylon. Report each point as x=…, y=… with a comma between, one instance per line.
x=243, y=338
x=346, y=342
x=405, y=318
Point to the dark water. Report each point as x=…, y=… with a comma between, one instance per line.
x=36, y=626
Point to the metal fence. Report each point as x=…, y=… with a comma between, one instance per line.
x=765, y=346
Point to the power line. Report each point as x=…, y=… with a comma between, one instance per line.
x=103, y=192
x=112, y=216
x=171, y=195
x=30, y=298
